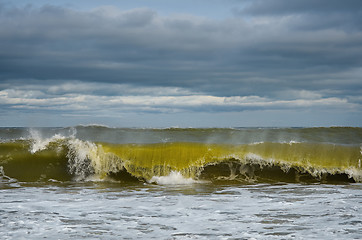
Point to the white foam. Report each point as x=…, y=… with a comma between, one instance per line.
x=39, y=143
x=174, y=178
x=88, y=162
x=80, y=156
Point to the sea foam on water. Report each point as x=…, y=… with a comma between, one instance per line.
x=174, y=178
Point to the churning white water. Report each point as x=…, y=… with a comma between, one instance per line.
x=96, y=210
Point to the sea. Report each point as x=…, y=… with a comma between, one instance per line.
x=98, y=182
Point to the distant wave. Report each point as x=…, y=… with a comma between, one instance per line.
x=93, y=125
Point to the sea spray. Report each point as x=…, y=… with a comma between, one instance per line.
x=80, y=156
x=40, y=143
x=88, y=161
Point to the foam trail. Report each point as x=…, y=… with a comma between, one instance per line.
x=174, y=178
x=4, y=177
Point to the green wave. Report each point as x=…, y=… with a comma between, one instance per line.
x=74, y=159
x=191, y=159
x=19, y=163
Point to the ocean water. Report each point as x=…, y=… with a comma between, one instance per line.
x=94, y=182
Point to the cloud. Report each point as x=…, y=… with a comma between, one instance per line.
x=275, y=55
x=84, y=99
x=139, y=46
x=282, y=7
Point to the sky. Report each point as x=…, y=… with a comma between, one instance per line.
x=164, y=63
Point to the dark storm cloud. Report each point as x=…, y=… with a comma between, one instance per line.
x=104, y=45
x=269, y=49
x=310, y=14
x=286, y=7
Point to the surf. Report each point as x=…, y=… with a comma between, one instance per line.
x=68, y=158
x=78, y=160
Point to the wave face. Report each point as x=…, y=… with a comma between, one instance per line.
x=181, y=156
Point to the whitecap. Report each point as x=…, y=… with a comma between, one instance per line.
x=174, y=178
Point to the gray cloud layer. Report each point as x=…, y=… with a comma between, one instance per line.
x=281, y=52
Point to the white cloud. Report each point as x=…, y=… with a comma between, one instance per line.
x=80, y=97
x=300, y=94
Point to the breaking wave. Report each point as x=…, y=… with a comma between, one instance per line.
x=68, y=158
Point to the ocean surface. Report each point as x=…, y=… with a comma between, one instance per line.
x=96, y=182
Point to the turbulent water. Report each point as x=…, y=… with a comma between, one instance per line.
x=97, y=182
